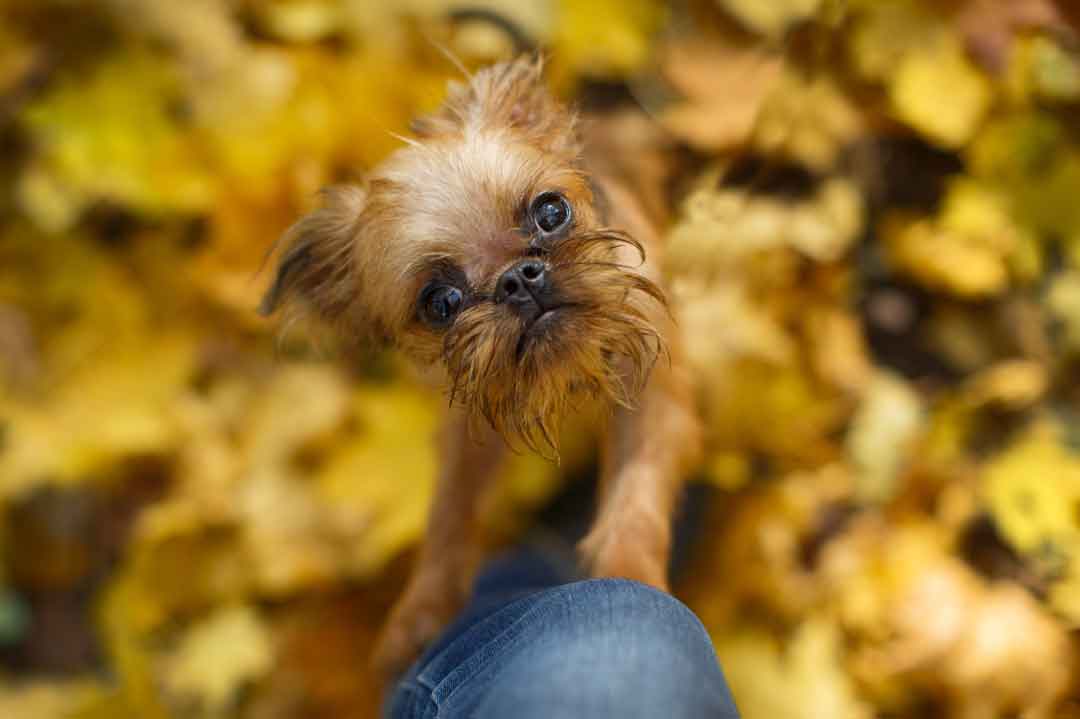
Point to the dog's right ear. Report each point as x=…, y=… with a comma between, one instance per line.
x=316, y=268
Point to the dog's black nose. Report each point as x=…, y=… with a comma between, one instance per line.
x=526, y=283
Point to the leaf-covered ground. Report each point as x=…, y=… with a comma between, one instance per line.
x=875, y=252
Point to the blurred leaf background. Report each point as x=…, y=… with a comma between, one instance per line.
x=874, y=248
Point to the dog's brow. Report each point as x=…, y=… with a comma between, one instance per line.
x=439, y=268
x=426, y=263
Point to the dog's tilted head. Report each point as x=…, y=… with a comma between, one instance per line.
x=482, y=245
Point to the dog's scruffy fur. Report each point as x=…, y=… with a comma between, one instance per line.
x=456, y=208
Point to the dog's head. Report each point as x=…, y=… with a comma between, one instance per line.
x=482, y=246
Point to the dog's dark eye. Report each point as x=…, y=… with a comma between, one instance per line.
x=550, y=211
x=441, y=304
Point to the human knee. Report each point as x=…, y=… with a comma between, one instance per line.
x=635, y=603
x=633, y=622
x=614, y=647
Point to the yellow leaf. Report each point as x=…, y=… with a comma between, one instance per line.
x=941, y=93
x=837, y=348
x=1029, y=159
x=115, y=407
x=725, y=86
x=603, y=38
x=1055, y=70
x=1032, y=490
x=884, y=33
x=882, y=434
x=966, y=249
x=771, y=18
x=1012, y=384
x=720, y=229
x=218, y=657
x=111, y=137
x=945, y=260
x=728, y=470
x=41, y=699
x=300, y=20
x=803, y=679
x=808, y=120
x=384, y=472
x=1063, y=302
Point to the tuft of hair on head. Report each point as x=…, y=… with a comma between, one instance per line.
x=509, y=96
x=315, y=272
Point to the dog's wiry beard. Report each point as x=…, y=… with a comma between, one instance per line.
x=601, y=343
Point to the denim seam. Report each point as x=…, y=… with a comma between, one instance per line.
x=422, y=683
x=414, y=690
x=423, y=675
x=460, y=677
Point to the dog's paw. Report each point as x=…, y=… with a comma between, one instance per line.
x=416, y=620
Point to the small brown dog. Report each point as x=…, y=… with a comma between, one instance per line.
x=497, y=248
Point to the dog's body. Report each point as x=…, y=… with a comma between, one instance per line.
x=495, y=247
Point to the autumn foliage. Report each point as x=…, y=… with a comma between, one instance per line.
x=874, y=251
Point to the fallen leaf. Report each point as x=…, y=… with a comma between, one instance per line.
x=940, y=93
x=802, y=679
x=217, y=658
x=882, y=436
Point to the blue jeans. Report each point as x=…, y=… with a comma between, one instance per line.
x=530, y=646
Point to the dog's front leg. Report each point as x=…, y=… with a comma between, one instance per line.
x=645, y=455
x=451, y=549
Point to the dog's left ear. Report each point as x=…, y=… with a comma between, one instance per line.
x=316, y=268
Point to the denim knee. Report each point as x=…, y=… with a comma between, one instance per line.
x=627, y=622
x=611, y=647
